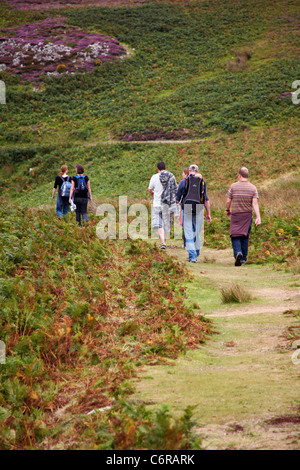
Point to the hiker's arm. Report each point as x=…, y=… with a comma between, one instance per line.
x=180, y=191
x=72, y=191
x=53, y=192
x=89, y=190
x=151, y=192
x=228, y=204
x=256, y=209
x=207, y=208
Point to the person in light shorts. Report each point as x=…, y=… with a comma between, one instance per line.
x=161, y=213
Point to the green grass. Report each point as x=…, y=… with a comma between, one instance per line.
x=244, y=373
x=176, y=79
x=274, y=242
x=262, y=151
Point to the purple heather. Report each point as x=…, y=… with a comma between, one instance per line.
x=40, y=47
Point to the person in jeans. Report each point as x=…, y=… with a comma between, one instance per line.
x=181, y=186
x=62, y=203
x=193, y=198
x=81, y=189
x=242, y=198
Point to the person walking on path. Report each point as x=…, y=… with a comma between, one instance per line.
x=181, y=185
x=81, y=189
x=242, y=198
x=193, y=198
x=163, y=188
x=63, y=183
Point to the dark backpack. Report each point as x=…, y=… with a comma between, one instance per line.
x=65, y=188
x=194, y=191
x=81, y=185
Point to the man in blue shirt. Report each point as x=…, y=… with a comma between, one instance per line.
x=192, y=195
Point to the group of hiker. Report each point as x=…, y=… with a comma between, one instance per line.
x=72, y=191
x=191, y=196
x=188, y=200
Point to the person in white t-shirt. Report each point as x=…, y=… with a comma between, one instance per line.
x=156, y=190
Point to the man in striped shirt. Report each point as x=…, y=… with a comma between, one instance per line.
x=242, y=196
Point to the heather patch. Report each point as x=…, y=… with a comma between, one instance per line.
x=51, y=48
x=41, y=4
x=160, y=134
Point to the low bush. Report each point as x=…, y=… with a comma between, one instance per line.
x=235, y=294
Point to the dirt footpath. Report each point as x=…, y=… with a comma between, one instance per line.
x=244, y=380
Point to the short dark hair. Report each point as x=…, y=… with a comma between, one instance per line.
x=161, y=166
x=80, y=169
x=244, y=172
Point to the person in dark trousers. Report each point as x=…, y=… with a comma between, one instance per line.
x=81, y=189
x=242, y=199
x=62, y=201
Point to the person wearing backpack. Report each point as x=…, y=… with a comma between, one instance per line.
x=63, y=182
x=81, y=189
x=193, y=198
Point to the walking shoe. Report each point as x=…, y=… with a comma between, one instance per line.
x=162, y=246
x=238, y=258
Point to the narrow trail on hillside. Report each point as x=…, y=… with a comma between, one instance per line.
x=243, y=380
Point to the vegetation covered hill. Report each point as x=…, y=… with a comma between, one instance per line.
x=194, y=68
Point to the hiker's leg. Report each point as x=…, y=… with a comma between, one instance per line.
x=161, y=234
x=189, y=233
x=66, y=205
x=166, y=220
x=157, y=223
x=183, y=236
x=198, y=222
x=245, y=244
x=236, y=243
x=77, y=202
x=59, y=206
x=84, y=205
